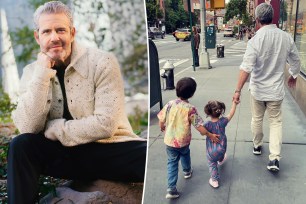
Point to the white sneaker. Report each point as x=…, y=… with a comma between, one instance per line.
x=172, y=194
x=224, y=159
x=213, y=183
x=188, y=175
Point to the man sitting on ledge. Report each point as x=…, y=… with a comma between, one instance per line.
x=70, y=113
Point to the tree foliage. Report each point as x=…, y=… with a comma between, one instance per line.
x=235, y=7
x=153, y=11
x=176, y=16
x=247, y=20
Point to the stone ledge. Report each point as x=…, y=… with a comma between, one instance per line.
x=97, y=192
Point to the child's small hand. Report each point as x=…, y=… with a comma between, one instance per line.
x=162, y=126
x=214, y=138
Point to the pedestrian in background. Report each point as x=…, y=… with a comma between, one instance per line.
x=216, y=152
x=241, y=34
x=196, y=45
x=175, y=119
x=265, y=60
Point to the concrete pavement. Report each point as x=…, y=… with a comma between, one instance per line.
x=244, y=176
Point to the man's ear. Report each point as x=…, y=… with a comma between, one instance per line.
x=36, y=36
x=72, y=33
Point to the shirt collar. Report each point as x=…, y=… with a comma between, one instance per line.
x=266, y=27
x=79, y=65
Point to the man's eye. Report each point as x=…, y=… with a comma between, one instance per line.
x=45, y=31
x=61, y=30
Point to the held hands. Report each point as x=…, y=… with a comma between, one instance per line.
x=45, y=60
x=236, y=97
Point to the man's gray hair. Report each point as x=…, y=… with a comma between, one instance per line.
x=52, y=7
x=264, y=13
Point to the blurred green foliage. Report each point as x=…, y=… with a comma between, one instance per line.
x=6, y=107
x=139, y=120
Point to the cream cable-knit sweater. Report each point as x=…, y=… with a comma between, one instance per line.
x=95, y=98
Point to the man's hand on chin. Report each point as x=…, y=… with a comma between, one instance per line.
x=44, y=60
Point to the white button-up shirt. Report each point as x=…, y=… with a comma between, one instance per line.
x=265, y=58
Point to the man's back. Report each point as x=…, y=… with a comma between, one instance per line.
x=266, y=56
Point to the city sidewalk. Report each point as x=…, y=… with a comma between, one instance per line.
x=244, y=176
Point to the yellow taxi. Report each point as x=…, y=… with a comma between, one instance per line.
x=183, y=33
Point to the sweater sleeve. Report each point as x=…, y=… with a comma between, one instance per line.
x=34, y=100
x=109, y=109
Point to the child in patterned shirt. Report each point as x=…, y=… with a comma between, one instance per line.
x=175, y=120
x=216, y=152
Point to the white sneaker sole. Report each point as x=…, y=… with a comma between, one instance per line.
x=168, y=196
x=273, y=168
x=190, y=175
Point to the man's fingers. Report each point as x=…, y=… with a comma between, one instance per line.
x=45, y=60
x=47, y=55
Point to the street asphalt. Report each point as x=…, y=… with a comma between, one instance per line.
x=244, y=176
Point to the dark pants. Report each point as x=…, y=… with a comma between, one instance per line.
x=196, y=56
x=31, y=155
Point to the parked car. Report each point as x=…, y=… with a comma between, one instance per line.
x=228, y=32
x=182, y=33
x=154, y=32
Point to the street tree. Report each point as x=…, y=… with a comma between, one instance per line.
x=235, y=8
x=154, y=13
x=176, y=16
x=247, y=19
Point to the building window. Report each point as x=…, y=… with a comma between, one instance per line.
x=293, y=21
x=300, y=38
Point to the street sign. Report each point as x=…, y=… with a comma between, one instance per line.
x=218, y=4
x=214, y=4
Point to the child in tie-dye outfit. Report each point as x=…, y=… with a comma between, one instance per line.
x=175, y=120
x=216, y=152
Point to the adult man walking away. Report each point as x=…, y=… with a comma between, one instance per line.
x=70, y=113
x=196, y=45
x=265, y=59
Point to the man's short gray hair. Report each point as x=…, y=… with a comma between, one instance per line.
x=52, y=7
x=264, y=13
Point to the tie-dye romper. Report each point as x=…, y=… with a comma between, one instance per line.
x=215, y=151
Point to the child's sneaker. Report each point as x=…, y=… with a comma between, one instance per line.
x=188, y=175
x=172, y=194
x=213, y=183
x=224, y=159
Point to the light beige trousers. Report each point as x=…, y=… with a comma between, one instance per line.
x=274, y=112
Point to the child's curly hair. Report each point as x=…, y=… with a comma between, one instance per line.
x=214, y=109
